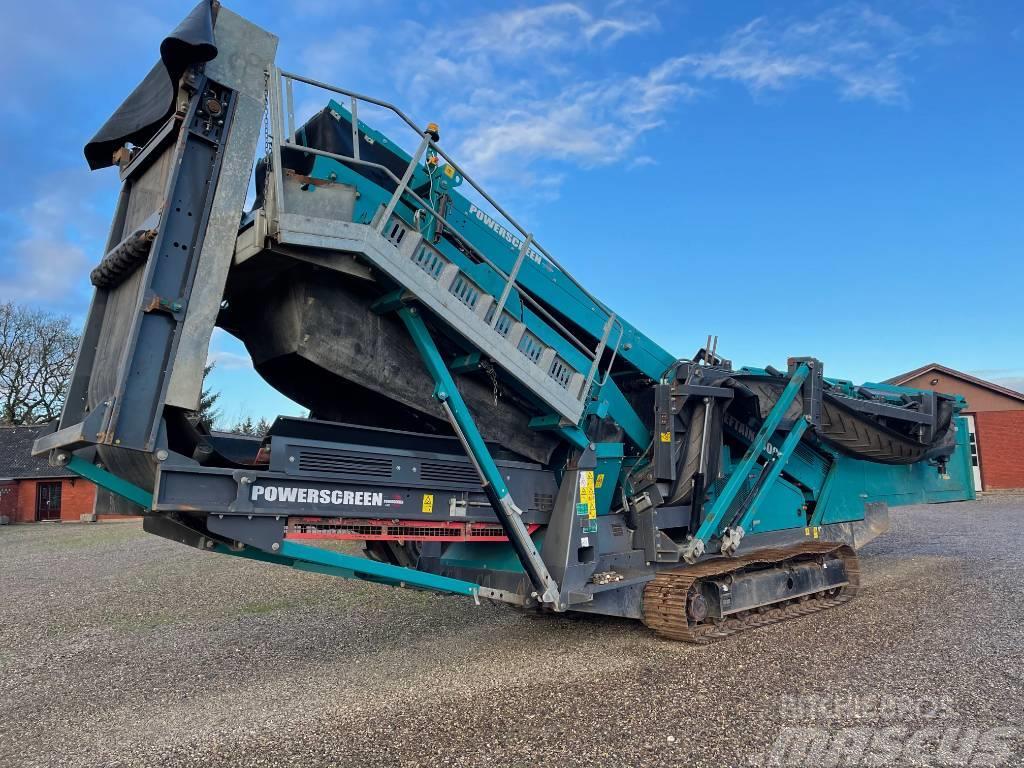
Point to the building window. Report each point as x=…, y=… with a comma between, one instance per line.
x=48, y=501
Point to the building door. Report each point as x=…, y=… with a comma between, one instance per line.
x=972, y=436
x=48, y=501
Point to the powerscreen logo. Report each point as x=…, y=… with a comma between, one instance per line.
x=288, y=494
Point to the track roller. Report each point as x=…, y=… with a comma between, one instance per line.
x=717, y=598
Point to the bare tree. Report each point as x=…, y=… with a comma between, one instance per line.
x=37, y=358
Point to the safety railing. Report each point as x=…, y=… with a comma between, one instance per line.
x=281, y=109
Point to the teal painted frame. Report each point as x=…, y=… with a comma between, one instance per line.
x=300, y=556
x=709, y=528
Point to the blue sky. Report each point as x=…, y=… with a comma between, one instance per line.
x=839, y=180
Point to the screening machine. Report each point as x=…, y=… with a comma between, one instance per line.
x=482, y=423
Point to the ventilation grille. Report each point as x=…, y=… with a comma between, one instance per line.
x=332, y=463
x=437, y=472
x=560, y=372
x=463, y=289
x=393, y=530
x=530, y=346
x=543, y=502
x=429, y=260
x=504, y=324
x=395, y=232
x=814, y=459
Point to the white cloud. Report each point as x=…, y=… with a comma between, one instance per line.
x=589, y=124
x=34, y=55
x=551, y=27
x=640, y=161
x=229, y=361
x=61, y=239
x=222, y=354
x=862, y=51
x=516, y=93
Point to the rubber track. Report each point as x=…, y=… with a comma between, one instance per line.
x=865, y=439
x=666, y=595
x=694, y=438
x=123, y=260
x=855, y=434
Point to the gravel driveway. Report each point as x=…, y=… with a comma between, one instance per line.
x=121, y=649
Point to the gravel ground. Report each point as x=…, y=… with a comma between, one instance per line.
x=122, y=649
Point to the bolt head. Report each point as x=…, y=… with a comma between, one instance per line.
x=275, y=546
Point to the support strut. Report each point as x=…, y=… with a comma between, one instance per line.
x=709, y=528
x=509, y=515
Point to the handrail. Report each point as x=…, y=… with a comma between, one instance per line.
x=279, y=77
x=524, y=295
x=408, y=121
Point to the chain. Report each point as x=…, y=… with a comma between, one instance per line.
x=493, y=376
x=268, y=142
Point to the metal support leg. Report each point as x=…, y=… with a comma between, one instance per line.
x=107, y=480
x=523, y=251
x=732, y=535
x=404, y=183
x=709, y=528
x=509, y=515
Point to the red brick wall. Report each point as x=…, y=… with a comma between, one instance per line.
x=9, y=500
x=1001, y=449
x=26, y=501
x=76, y=499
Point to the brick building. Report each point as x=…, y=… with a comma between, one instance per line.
x=996, y=417
x=33, y=491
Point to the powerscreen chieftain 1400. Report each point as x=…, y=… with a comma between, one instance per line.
x=479, y=420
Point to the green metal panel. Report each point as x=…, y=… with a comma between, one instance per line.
x=764, y=507
x=606, y=474
x=741, y=472
x=781, y=508
x=325, y=561
x=852, y=484
x=110, y=482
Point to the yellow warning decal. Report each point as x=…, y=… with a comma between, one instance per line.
x=449, y=171
x=587, y=493
x=807, y=531
x=666, y=437
x=600, y=481
x=817, y=530
x=428, y=503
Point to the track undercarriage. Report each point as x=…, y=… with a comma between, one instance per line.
x=677, y=604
